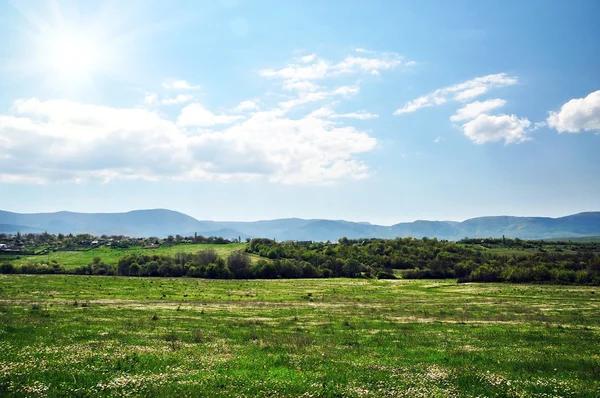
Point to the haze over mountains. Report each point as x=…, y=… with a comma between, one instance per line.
x=160, y=223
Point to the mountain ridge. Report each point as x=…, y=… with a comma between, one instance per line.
x=163, y=222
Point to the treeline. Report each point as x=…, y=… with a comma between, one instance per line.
x=204, y=264
x=429, y=258
x=41, y=243
x=591, y=245
x=208, y=264
x=365, y=258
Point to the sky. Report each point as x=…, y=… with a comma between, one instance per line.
x=378, y=111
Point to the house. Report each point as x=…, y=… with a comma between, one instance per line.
x=3, y=246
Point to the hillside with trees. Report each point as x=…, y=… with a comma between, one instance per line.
x=468, y=260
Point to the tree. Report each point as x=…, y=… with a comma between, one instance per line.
x=124, y=265
x=351, y=268
x=207, y=256
x=238, y=263
x=266, y=270
x=134, y=269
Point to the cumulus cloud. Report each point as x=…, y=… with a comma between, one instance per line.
x=197, y=115
x=60, y=140
x=309, y=97
x=150, y=98
x=580, y=114
x=320, y=68
x=463, y=92
x=280, y=137
x=179, y=85
x=179, y=99
x=328, y=113
x=316, y=70
x=312, y=68
x=308, y=58
x=488, y=128
x=300, y=85
x=244, y=106
x=474, y=109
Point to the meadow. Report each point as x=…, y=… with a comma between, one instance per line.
x=68, y=335
x=78, y=258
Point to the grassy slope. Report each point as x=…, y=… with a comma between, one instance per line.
x=72, y=259
x=293, y=337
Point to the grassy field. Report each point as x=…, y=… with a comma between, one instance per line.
x=66, y=335
x=72, y=259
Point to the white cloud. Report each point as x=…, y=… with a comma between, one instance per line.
x=438, y=140
x=282, y=141
x=179, y=85
x=308, y=58
x=150, y=99
x=361, y=115
x=316, y=70
x=419, y=103
x=312, y=68
x=474, y=109
x=179, y=99
x=197, y=115
x=62, y=140
x=464, y=91
x=328, y=113
x=486, y=128
x=580, y=114
x=300, y=85
x=244, y=106
x=309, y=97
x=371, y=65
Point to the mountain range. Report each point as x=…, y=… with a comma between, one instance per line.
x=161, y=222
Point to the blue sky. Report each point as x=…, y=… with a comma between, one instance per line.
x=379, y=111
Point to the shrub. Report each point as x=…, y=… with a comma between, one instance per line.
x=7, y=268
x=385, y=275
x=487, y=273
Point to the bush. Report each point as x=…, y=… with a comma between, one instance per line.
x=385, y=275
x=7, y=268
x=486, y=273
x=414, y=273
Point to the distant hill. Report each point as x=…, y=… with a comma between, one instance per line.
x=13, y=229
x=161, y=222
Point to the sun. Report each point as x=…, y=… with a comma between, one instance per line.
x=72, y=55
x=74, y=48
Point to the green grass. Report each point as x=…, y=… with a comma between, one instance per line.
x=66, y=335
x=72, y=259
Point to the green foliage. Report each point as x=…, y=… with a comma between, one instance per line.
x=433, y=259
x=7, y=268
x=470, y=260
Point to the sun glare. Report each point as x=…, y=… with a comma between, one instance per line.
x=73, y=49
x=72, y=56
